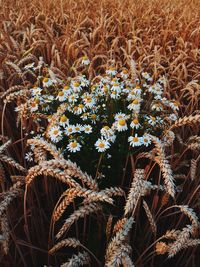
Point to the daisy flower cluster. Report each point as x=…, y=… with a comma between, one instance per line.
x=98, y=111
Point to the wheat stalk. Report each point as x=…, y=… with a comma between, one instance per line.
x=77, y=260
x=150, y=217
x=69, y=242
x=13, y=192
x=80, y=213
x=139, y=187
x=165, y=167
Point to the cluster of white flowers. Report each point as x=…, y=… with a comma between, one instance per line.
x=106, y=107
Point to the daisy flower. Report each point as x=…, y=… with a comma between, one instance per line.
x=84, y=116
x=116, y=88
x=105, y=89
x=121, y=125
x=111, y=71
x=102, y=145
x=78, y=128
x=120, y=115
x=85, y=60
x=69, y=130
x=88, y=100
x=55, y=134
x=87, y=129
x=174, y=105
x=48, y=98
x=173, y=117
x=83, y=80
x=124, y=73
x=114, y=95
x=67, y=90
x=137, y=90
x=80, y=109
x=156, y=89
x=35, y=91
x=131, y=95
x=29, y=156
x=146, y=76
x=61, y=96
x=73, y=98
x=64, y=120
x=134, y=140
x=73, y=146
x=94, y=118
x=135, y=124
x=157, y=107
x=76, y=86
x=152, y=120
x=146, y=140
x=33, y=106
x=108, y=134
x=135, y=105
x=47, y=82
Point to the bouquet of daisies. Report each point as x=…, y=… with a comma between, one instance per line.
x=95, y=113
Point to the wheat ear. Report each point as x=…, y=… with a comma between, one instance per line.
x=80, y=213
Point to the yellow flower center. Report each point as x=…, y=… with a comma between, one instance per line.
x=74, y=144
x=135, y=139
x=135, y=121
x=135, y=102
x=106, y=127
x=153, y=118
x=66, y=87
x=69, y=130
x=61, y=93
x=94, y=116
x=63, y=118
x=75, y=108
x=45, y=80
x=81, y=106
x=85, y=58
x=55, y=132
x=101, y=145
x=76, y=84
x=105, y=88
x=125, y=71
x=88, y=99
x=122, y=122
x=137, y=87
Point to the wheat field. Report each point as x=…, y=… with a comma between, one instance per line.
x=99, y=153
